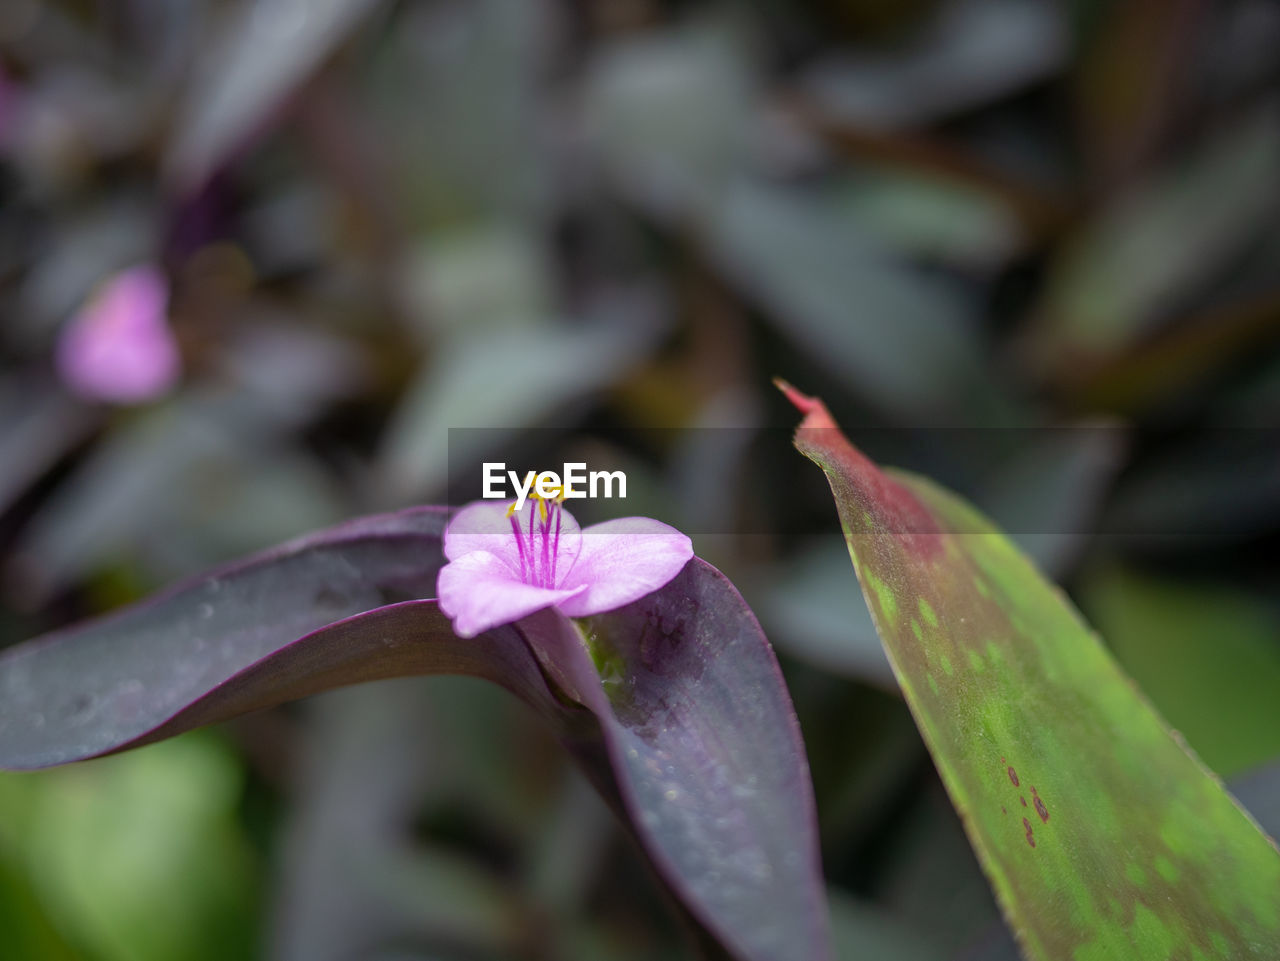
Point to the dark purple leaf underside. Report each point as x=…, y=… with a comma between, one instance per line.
x=702, y=735
x=108, y=684
x=674, y=704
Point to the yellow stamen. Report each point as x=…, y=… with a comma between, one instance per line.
x=561, y=493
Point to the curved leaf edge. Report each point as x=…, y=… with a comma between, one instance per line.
x=916, y=511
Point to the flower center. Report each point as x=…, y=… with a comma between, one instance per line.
x=538, y=540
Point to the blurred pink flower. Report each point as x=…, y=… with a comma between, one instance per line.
x=504, y=566
x=119, y=347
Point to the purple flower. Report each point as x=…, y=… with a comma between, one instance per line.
x=119, y=348
x=505, y=564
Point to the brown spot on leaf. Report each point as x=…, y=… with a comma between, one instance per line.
x=1040, y=808
x=1002, y=809
x=1023, y=800
x=1031, y=836
x=1013, y=776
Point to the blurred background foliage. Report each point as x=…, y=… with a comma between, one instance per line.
x=1028, y=247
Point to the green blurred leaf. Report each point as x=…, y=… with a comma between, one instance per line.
x=864, y=933
x=936, y=220
x=1159, y=244
x=85, y=246
x=814, y=616
x=901, y=337
x=29, y=933
x=177, y=488
x=494, y=276
x=932, y=880
x=39, y=424
x=140, y=857
x=457, y=99
x=1213, y=485
x=505, y=384
x=263, y=50
x=351, y=877
x=672, y=161
x=969, y=54
x=1208, y=658
x=1102, y=836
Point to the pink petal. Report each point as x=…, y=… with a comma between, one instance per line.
x=621, y=561
x=119, y=348
x=481, y=526
x=479, y=591
x=484, y=526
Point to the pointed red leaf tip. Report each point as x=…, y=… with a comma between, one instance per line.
x=855, y=479
x=815, y=411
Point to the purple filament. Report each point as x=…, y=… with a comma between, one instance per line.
x=515, y=527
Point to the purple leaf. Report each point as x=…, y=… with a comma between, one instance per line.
x=705, y=746
x=673, y=704
x=105, y=685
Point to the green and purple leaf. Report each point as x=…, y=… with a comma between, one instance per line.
x=674, y=704
x=1103, y=837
